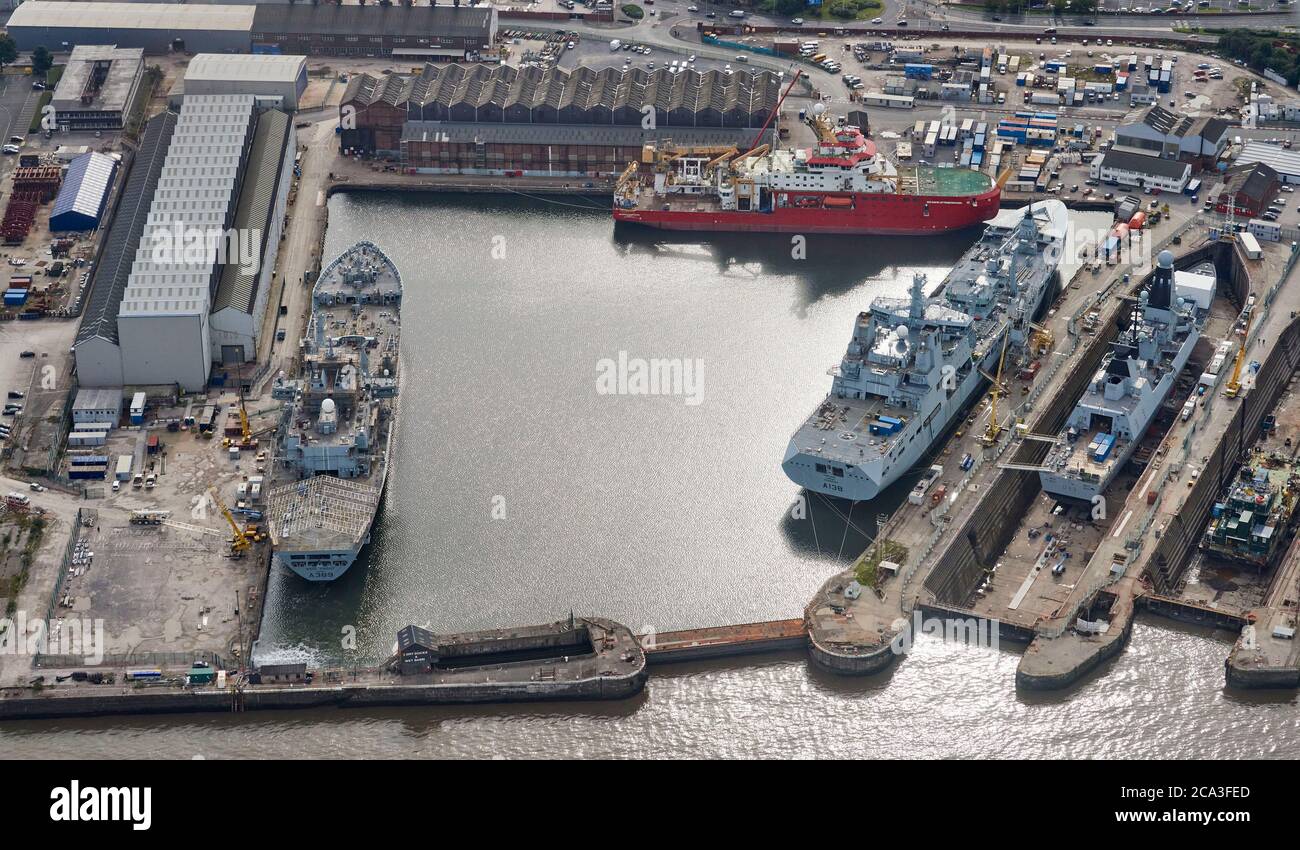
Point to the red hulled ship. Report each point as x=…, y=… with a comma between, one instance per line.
x=843, y=185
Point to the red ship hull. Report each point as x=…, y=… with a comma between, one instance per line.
x=870, y=214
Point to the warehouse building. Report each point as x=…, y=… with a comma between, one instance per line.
x=552, y=149
x=1285, y=162
x=85, y=190
x=151, y=27
x=275, y=80
x=240, y=303
x=403, y=32
x=98, y=86
x=374, y=110
x=1248, y=188
x=1131, y=169
x=164, y=319
x=1164, y=134
x=97, y=353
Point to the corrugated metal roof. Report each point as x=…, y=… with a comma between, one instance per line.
x=145, y=16
x=113, y=265
x=463, y=22
x=238, y=287
x=249, y=67
x=560, y=134
x=85, y=187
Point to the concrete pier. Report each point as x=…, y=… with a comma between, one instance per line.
x=614, y=669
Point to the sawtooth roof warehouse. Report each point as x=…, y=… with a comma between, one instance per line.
x=372, y=30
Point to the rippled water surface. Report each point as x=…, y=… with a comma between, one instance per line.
x=654, y=512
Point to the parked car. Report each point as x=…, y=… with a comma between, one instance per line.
x=27, y=354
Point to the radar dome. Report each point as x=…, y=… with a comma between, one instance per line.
x=903, y=331
x=1165, y=260
x=819, y=108
x=327, y=406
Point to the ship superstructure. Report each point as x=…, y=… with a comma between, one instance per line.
x=340, y=417
x=915, y=363
x=1250, y=521
x=842, y=185
x=1126, y=391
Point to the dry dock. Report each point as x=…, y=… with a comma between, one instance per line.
x=967, y=556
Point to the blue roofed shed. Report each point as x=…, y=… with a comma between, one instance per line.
x=80, y=203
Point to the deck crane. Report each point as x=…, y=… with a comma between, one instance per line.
x=994, y=429
x=1233, y=387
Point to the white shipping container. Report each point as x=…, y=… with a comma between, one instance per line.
x=123, y=468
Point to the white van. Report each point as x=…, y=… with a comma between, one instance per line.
x=737, y=13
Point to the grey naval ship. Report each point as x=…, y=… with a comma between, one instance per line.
x=1127, y=390
x=915, y=363
x=340, y=417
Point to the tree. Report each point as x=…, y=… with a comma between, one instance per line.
x=789, y=7
x=8, y=50
x=42, y=61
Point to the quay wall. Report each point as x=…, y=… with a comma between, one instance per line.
x=1190, y=612
x=988, y=531
x=850, y=663
x=343, y=696
x=1006, y=631
x=1178, y=541
x=1098, y=651
x=708, y=652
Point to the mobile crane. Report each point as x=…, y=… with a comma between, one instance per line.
x=241, y=539
x=1233, y=387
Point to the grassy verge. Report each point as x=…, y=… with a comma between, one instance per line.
x=867, y=570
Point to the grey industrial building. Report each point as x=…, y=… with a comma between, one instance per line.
x=403, y=32
x=98, y=86
x=97, y=349
x=159, y=312
x=278, y=80
x=152, y=27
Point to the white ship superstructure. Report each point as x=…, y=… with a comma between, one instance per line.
x=340, y=417
x=1126, y=391
x=914, y=364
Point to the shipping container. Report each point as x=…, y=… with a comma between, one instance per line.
x=123, y=468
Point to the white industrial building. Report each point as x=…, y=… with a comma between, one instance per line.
x=275, y=80
x=239, y=308
x=1285, y=162
x=1171, y=136
x=163, y=320
x=192, y=248
x=1131, y=169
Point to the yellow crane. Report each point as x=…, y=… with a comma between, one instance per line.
x=1233, y=387
x=246, y=440
x=241, y=538
x=994, y=429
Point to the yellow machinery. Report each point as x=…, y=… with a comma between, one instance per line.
x=246, y=440
x=994, y=429
x=1233, y=387
x=240, y=538
x=1042, y=339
